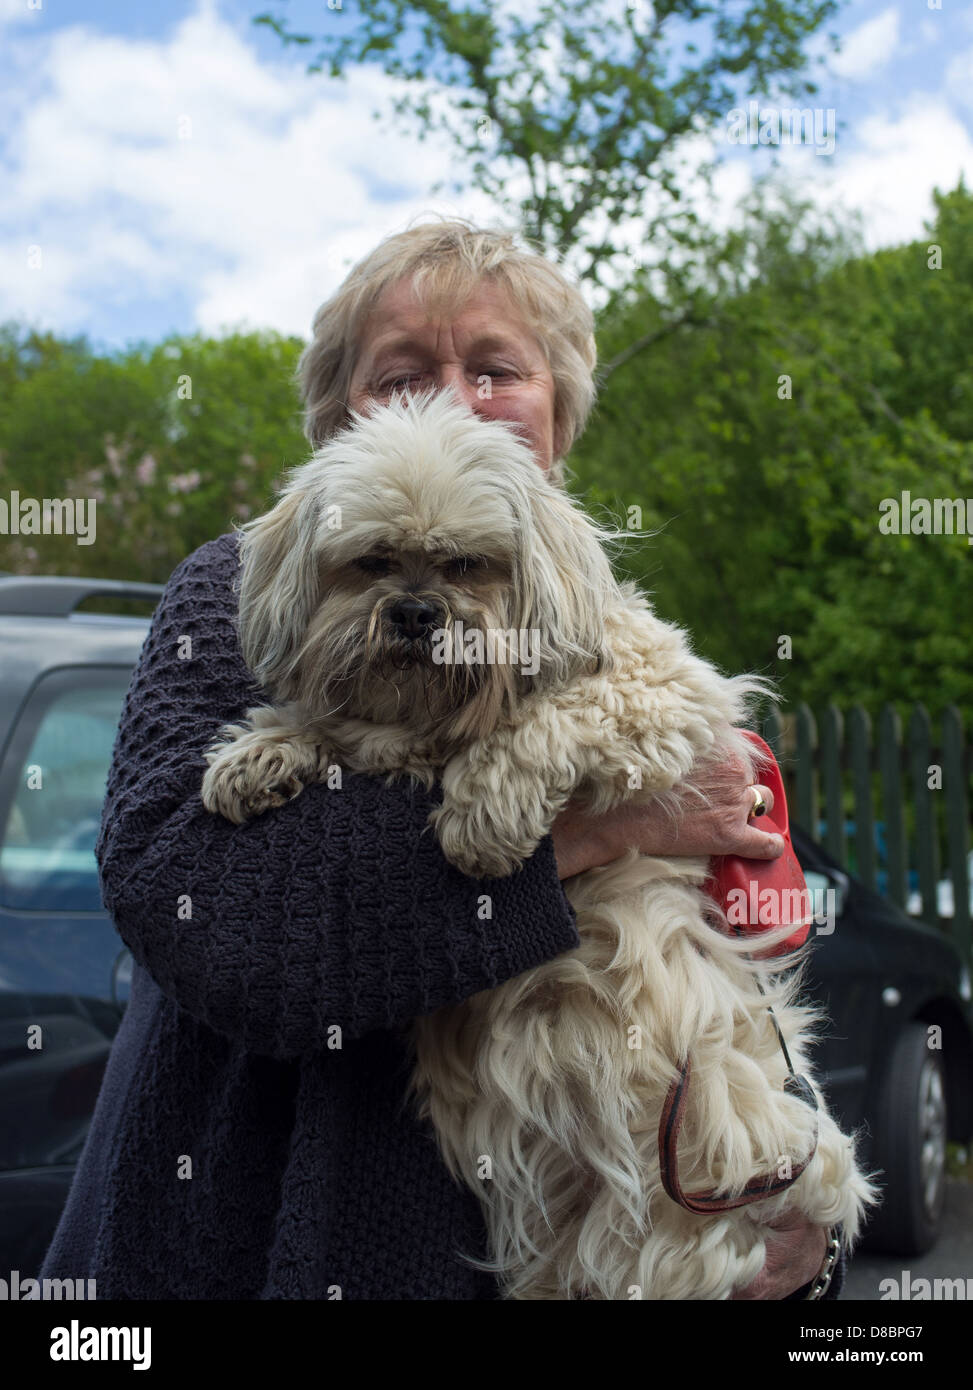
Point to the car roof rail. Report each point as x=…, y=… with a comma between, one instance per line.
x=57, y=596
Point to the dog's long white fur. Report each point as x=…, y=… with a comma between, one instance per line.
x=546, y=1092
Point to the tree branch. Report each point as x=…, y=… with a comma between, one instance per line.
x=649, y=340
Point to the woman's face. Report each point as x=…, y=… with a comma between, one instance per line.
x=484, y=350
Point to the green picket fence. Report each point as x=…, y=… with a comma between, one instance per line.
x=891, y=804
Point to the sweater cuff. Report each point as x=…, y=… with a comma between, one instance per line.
x=531, y=919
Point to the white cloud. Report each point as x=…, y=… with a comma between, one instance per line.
x=868, y=47
x=255, y=215
x=899, y=164
x=930, y=31
x=17, y=12
x=887, y=167
x=959, y=79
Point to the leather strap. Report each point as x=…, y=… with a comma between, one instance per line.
x=702, y=1203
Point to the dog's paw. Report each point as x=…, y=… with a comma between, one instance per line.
x=244, y=780
x=473, y=847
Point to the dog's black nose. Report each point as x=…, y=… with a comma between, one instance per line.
x=413, y=617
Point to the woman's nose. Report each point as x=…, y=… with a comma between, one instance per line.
x=466, y=390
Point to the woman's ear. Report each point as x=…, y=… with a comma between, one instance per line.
x=279, y=588
x=564, y=583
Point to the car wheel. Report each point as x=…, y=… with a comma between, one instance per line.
x=910, y=1147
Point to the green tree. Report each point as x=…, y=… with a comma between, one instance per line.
x=570, y=114
x=814, y=382
x=174, y=443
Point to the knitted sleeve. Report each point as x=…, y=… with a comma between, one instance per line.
x=336, y=909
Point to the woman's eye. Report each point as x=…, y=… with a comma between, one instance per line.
x=398, y=383
x=373, y=564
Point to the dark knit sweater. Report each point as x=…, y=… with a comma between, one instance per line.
x=243, y=1147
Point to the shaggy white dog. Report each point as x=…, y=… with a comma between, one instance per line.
x=423, y=601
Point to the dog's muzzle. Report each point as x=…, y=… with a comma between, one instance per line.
x=411, y=618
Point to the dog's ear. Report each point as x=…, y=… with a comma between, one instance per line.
x=279, y=587
x=564, y=584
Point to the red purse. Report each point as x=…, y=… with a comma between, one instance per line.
x=758, y=894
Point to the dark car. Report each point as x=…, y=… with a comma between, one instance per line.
x=897, y=1058
x=63, y=968
x=885, y=980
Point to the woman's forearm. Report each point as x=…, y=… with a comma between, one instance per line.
x=336, y=910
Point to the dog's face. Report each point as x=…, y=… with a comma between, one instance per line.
x=422, y=569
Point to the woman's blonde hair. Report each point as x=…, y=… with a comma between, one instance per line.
x=447, y=261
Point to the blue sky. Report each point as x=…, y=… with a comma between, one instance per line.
x=174, y=169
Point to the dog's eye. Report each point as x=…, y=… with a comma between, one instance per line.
x=460, y=564
x=373, y=564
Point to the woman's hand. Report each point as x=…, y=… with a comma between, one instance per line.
x=718, y=825
x=795, y=1255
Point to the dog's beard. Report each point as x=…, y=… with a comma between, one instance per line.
x=355, y=663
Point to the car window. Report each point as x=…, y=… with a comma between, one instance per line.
x=52, y=787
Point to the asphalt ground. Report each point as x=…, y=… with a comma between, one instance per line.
x=950, y=1258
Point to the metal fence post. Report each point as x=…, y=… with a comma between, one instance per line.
x=890, y=766
x=805, y=777
x=920, y=759
x=831, y=750
x=957, y=827
x=860, y=751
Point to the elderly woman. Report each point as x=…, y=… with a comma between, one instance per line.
x=252, y=1138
